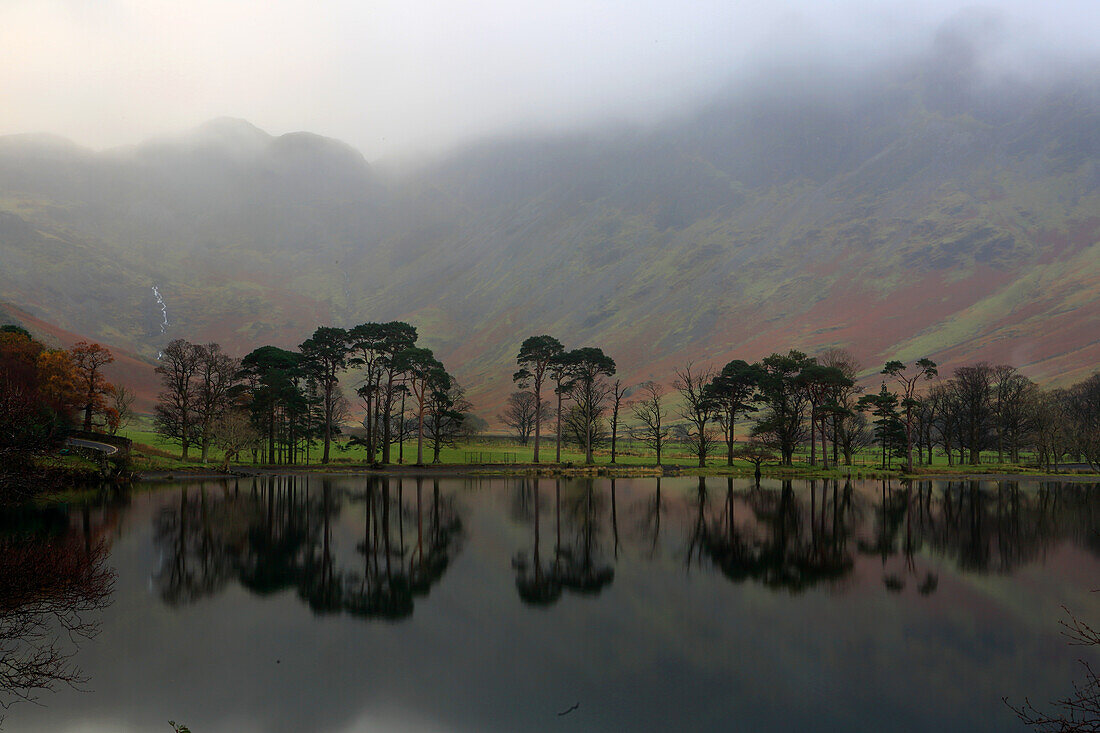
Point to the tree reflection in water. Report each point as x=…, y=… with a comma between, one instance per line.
x=795, y=540
x=53, y=582
x=577, y=565
x=781, y=543
x=653, y=508
x=537, y=583
x=280, y=535
x=275, y=534
x=978, y=528
x=581, y=567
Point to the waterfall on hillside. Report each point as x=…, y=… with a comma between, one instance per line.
x=163, y=312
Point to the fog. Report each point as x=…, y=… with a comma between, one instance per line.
x=409, y=77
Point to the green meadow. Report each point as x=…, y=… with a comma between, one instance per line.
x=152, y=452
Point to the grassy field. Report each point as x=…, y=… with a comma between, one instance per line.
x=152, y=452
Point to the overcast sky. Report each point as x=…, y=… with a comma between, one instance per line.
x=410, y=76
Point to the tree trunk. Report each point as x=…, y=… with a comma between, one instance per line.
x=369, y=425
x=729, y=440
x=614, y=431
x=420, y=435
x=386, y=421
x=813, y=437
x=702, y=446
x=588, y=437
x=185, y=442
x=401, y=432
x=558, y=446
x=538, y=416
x=328, y=421
x=377, y=421
x=836, y=445
x=909, y=439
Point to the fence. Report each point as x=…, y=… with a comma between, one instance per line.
x=485, y=457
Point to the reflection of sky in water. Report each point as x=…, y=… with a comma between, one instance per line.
x=668, y=643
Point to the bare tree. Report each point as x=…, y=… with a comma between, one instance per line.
x=849, y=427
x=215, y=378
x=175, y=410
x=944, y=412
x=520, y=414
x=618, y=392
x=1080, y=710
x=233, y=433
x=973, y=389
x=580, y=431
x=50, y=597
x=698, y=411
x=341, y=415
x=121, y=409
x=1084, y=418
x=1012, y=416
x=652, y=416
x=1053, y=436
x=853, y=434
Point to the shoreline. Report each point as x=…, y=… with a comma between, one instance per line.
x=81, y=486
x=610, y=471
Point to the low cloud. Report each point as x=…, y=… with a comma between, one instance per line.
x=404, y=77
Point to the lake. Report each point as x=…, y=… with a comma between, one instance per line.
x=294, y=603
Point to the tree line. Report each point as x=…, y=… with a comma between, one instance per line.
x=793, y=399
x=278, y=404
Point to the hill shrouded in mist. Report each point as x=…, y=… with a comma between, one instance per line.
x=921, y=212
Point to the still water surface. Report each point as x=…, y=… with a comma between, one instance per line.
x=347, y=604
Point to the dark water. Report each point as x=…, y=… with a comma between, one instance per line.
x=294, y=604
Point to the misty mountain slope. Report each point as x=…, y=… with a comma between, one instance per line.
x=946, y=215
x=914, y=214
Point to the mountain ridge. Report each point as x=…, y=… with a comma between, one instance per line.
x=902, y=221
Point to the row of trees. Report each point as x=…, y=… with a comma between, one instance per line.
x=995, y=408
x=279, y=403
x=578, y=379
x=793, y=399
x=792, y=389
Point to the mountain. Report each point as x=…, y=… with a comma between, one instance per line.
x=920, y=211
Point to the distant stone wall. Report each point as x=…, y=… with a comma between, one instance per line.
x=123, y=444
